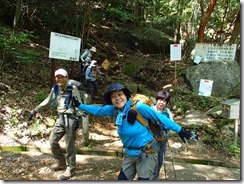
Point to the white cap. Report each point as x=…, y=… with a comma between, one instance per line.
x=93, y=49
x=62, y=72
x=93, y=63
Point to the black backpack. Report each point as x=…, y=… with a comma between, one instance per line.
x=83, y=67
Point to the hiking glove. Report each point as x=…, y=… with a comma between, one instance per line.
x=32, y=113
x=76, y=101
x=187, y=134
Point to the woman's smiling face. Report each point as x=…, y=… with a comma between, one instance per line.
x=118, y=98
x=161, y=103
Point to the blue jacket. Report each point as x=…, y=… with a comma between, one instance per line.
x=133, y=136
x=90, y=73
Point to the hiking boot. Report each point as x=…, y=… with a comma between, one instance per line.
x=66, y=175
x=58, y=166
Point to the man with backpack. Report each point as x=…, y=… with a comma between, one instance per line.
x=67, y=123
x=86, y=57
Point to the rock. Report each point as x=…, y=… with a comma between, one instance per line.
x=193, y=117
x=225, y=75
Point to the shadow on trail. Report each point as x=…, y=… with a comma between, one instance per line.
x=35, y=166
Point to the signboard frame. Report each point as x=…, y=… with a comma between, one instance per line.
x=64, y=47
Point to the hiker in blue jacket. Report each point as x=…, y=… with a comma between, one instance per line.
x=162, y=100
x=91, y=79
x=60, y=98
x=140, y=146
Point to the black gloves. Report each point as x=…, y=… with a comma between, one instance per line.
x=187, y=134
x=32, y=113
x=76, y=101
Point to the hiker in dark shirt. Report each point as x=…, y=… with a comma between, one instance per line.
x=66, y=123
x=141, y=149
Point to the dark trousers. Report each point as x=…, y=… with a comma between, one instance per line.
x=89, y=87
x=161, y=159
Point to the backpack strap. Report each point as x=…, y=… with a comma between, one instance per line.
x=54, y=101
x=68, y=98
x=139, y=116
x=149, y=125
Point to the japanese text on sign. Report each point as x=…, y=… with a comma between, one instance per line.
x=215, y=52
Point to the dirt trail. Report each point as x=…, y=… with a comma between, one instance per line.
x=34, y=166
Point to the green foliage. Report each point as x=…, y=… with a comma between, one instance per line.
x=13, y=48
x=90, y=143
x=234, y=149
x=14, y=122
x=204, y=103
x=180, y=107
x=35, y=128
x=131, y=69
x=194, y=101
x=118, y=14
x=222, y=122
x=40, y=96
x=220, y=138
x=28, y=56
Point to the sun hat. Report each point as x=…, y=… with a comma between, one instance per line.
x=62, y=72
x=93, y=49
x=93, y=63
x=112, y=88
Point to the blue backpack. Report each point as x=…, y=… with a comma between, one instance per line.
x=68, y=99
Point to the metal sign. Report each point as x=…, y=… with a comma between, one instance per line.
x=105, y=64
x=175, y=52
x=64, y=47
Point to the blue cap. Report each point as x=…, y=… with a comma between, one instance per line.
x=112, y=88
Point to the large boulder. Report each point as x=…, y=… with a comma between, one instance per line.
x=225, y=76
x=151, y=40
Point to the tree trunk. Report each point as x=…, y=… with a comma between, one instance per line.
x=177, y=35
x=86, y=22
x=236, y=30
x=205, y=20
x=135, y=11
x=16, y=23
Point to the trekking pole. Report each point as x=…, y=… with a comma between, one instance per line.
x=165, y=173
x=171, y=158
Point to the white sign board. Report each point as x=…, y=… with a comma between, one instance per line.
x=215, y=52
x=205, y=88
x=64, y=47
x=175, y=52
